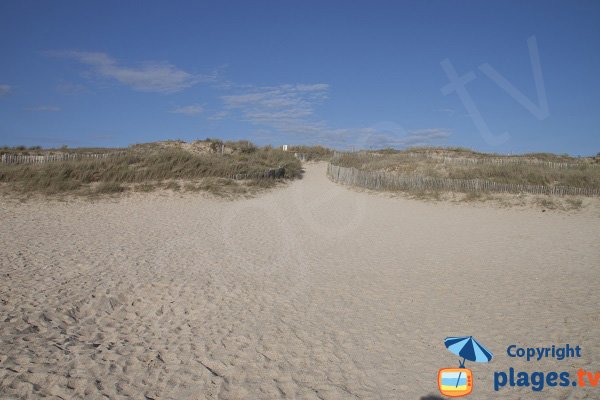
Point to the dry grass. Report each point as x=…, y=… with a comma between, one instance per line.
x=468, y=153
x=499, y=200
x=505, y=200
x=313, y=153
x=174, y=186
x=474, y=196
x=109, y=188
x=543, y=203
x=38, y=150
x=431, y=195
x=574, y=203
x=145, y=168
x=144, y=187
x=582, y=174
x=514, y=170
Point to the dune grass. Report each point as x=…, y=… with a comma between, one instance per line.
x=38, y=150
x=313, y=153
x=145, y=168
x=578, y=174
x=465, y=152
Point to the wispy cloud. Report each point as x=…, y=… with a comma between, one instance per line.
x=218, y=116
x=278, y=106
x=4, y=89
x=70, y=88
x=424, y=137
x=149, y=76
x=44, y=108
x=291, y=110
x=398, y=138
x=193, y=109
x=448, y=111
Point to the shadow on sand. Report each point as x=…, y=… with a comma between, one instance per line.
x=432, y=397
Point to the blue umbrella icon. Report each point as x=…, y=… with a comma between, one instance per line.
x=469, y=349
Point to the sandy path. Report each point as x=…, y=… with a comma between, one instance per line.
x=313, y=291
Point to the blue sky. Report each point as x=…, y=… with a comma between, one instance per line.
x=364, y=74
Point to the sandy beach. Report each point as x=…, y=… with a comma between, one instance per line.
x=309, y=291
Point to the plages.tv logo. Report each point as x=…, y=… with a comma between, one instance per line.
x=457, y=382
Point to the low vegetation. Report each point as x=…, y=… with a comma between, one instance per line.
x=171, y=165
x=38, y=150
x=313, y=153
x=545, y=181
x=579, y=173
x=462, y=152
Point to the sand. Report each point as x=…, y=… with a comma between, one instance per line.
x=310, y=291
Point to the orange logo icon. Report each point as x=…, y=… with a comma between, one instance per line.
x=455, y=382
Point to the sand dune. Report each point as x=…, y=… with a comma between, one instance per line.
x=312, y=291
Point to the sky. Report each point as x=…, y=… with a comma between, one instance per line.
x=496, y=76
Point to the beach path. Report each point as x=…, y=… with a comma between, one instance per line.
x=309, y=291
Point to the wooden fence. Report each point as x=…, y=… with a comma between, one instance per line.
x=40, y=159
x=506, y=160
x=380, y=180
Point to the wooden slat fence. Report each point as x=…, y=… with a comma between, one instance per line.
x=508, y=161
x=486, y=161
x=40, y=159
x=380, y=180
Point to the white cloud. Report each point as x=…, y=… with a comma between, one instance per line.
x=218, y=116
x=447, y=111
x=70, y=88
x=399, y=139
x=150, y=76
x=278, y=106
x=313, y=87
x=426, y=135
x=193, y=109
x=4, y=89
x=44, y=108
x=291, y=110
